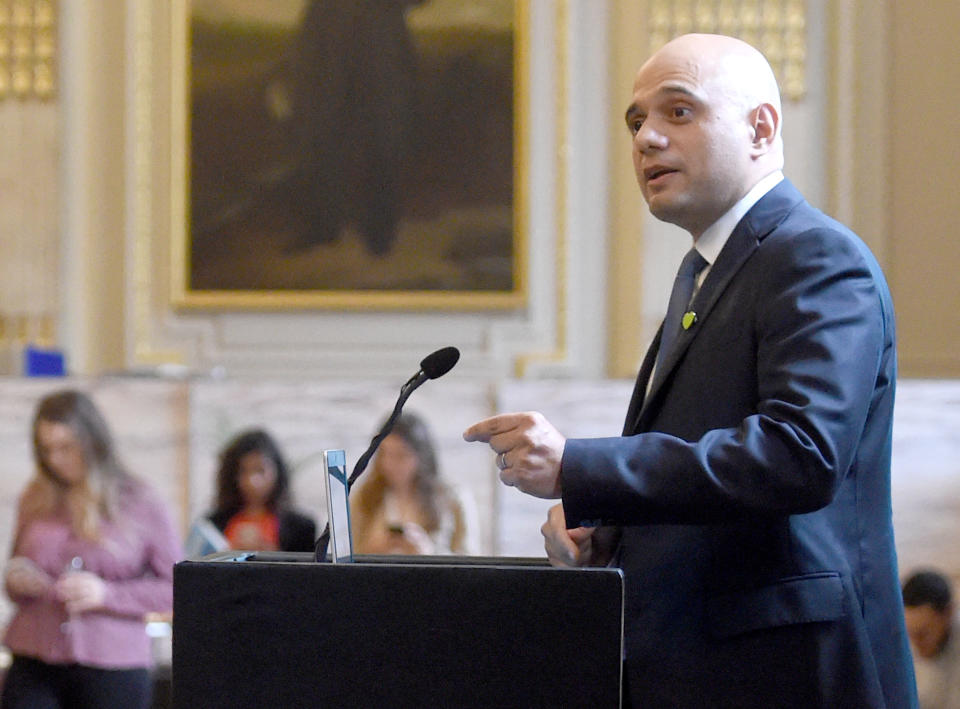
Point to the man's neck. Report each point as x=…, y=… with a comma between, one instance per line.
x=729, y=219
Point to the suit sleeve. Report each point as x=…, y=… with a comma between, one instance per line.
x=820, y=332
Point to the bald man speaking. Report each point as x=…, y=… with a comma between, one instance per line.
x=748, y=498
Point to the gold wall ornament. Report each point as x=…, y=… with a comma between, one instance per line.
x=28, y=49
x=775, y=27
x=29, y=247
x=6, y=48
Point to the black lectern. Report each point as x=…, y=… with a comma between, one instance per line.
x=278, y=630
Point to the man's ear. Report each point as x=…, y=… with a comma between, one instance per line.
x=765, y=122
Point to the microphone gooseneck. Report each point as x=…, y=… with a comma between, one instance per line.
x=434, y=365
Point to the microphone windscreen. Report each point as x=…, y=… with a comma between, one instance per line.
x=440, y=362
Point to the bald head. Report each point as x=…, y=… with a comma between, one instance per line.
x=705, y=117
x=731, y=65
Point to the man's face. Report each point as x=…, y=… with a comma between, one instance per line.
x=927, y=628
x=691, y=139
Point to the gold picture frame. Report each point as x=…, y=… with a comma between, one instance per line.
x=400, y=183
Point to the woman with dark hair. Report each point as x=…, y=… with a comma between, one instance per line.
x=404, y=507
x=252, y=508
x=93, y=554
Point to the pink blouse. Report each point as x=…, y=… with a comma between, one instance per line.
x=134, y=557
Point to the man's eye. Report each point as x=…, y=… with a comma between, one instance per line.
x=635, y=125
x=680, y=111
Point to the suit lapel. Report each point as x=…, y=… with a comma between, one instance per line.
x=762, y=219
x=640, y=388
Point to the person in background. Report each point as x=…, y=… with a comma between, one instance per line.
x=404, y=507
x=252, y=508
x=93, y=554
x=934, y=637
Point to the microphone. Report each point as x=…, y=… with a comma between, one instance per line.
x=438, y=363
x=434, y=365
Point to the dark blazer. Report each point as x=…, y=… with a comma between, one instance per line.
x=752, y=483
x=297, y=532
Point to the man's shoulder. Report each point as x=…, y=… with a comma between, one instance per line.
x=788, y=212
x=806, y=231
x=808, y=244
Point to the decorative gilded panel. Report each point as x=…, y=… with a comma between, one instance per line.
x=775, y=27
x=28, y=44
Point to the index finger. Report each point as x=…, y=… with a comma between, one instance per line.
x=484, y=430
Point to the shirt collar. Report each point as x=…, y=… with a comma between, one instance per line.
x=712, y=241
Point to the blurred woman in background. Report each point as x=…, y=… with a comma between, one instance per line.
x=404, y=507
x=93, y=554
x=253, y=510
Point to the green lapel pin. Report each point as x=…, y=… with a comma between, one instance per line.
x=689, y=318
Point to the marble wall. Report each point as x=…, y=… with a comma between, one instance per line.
x=169, y=432
x=926, y=475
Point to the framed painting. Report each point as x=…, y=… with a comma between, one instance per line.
x=347, y=154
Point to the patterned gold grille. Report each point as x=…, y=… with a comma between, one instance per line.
x=775, y=27
x=28, y=44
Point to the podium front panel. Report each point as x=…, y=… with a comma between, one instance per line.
x=398, y=632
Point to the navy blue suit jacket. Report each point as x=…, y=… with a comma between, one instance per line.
x=752, y=482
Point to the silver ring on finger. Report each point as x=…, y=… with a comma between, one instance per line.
x=502, y=461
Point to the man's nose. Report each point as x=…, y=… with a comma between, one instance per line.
x=648, y=138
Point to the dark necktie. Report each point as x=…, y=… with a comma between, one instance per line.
x=680, y=296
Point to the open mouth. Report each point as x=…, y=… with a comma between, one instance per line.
x=655, y=172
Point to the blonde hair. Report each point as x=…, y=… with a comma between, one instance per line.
x=91, y=501
x=431, y=491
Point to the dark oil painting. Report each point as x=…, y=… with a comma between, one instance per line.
x=351, y=146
